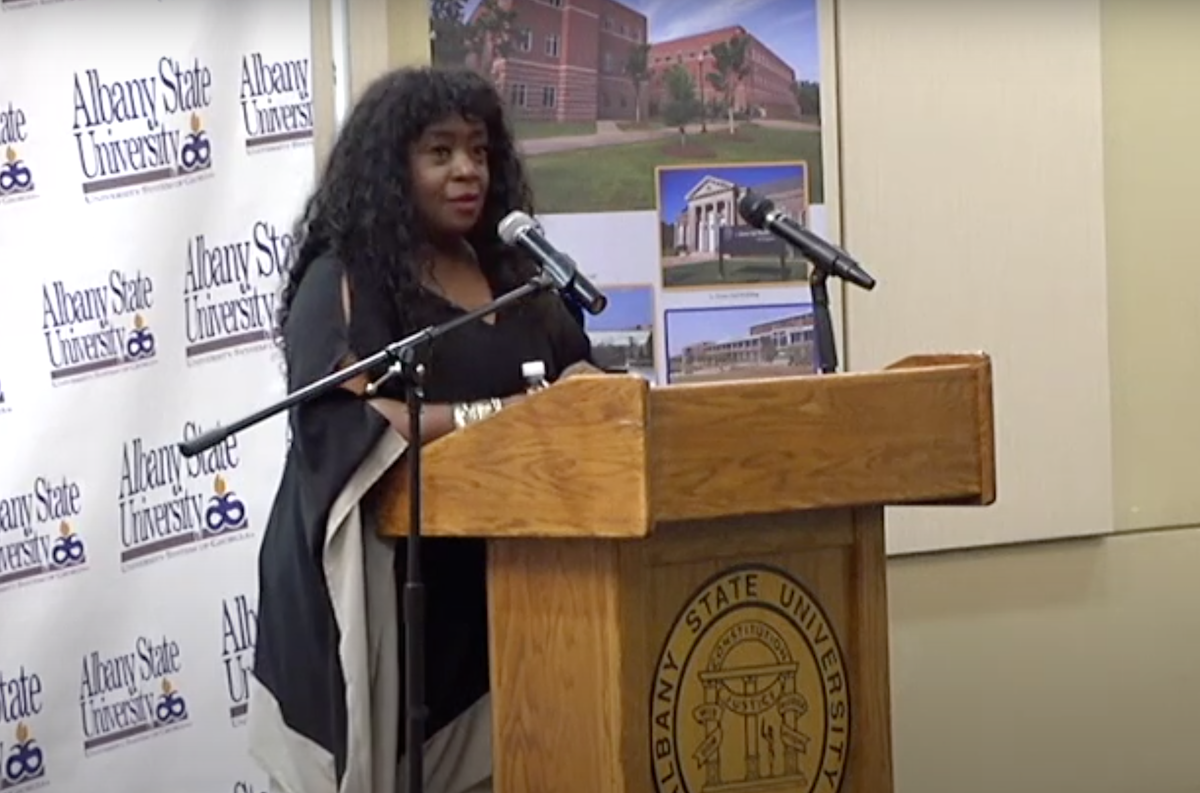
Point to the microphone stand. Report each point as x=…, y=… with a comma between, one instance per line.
x=826, y=343
x=403, y=360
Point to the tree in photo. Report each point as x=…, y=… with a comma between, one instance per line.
x=637, y=69
x=808, y=97
x=732, y=62
x=493, y=35
x=448, y=33
x=681, y=106
x=488, y=36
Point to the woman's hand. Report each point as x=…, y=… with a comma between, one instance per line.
x=579, y=367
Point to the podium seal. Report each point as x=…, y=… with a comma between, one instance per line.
x=751, y=690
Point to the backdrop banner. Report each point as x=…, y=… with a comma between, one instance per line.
x=153, y=156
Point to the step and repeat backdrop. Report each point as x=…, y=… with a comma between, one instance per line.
x=153, y=156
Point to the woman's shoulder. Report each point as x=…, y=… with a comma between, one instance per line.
x=324, y=271
x=328, y=285
x=316, y=292
x=332, y=291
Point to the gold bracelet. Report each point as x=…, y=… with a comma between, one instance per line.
x=471, y=412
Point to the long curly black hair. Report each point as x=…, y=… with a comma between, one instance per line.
x=360, y=210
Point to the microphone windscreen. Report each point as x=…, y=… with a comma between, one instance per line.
x=513, y=224
x=754, y=208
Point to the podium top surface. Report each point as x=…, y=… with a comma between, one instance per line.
x=610, y=456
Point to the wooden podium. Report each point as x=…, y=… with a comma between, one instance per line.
x=688, y=584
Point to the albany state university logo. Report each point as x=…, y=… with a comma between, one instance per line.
x=750, y=691
x=136, y=131
x=170, y=505
x=229, y=291
x=98, y=326
x=276, y=99
x=239, y=631
x=22, y=758
x=37, y=539
x=131, y=695
x=16, y=175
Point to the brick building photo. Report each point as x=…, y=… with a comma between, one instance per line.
x=764, y=91
x=602, y=91
x=591, y=60
x=565, y=60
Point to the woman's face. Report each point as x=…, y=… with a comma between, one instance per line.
x=450, y=175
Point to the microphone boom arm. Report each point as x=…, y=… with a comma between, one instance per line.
x=395, y=355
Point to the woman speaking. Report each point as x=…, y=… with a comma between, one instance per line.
x=399, y=234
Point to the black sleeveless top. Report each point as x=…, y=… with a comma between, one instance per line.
x=296, y=657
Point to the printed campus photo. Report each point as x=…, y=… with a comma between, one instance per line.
x=739, y=343
x=599, y=104
x=704, y=242
x=623, y=334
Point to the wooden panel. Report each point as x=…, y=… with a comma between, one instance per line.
x=985, y=418
x=799, y=610
x=606, y=656
x=569, y=462
x=556, y=629
x=594, y=456
x=918, y=434
x=870, y=659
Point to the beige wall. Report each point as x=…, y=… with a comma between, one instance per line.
x=1049, y=145
x=1067, y=666
x=1151, y=123
x=973, y=183
x=1061, y=668
x=383, y=34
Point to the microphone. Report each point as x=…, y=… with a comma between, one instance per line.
x=760, y=212
x=519, y=229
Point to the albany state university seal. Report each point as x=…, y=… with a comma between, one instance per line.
x=751, y=691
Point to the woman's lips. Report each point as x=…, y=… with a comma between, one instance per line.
x=465, y=204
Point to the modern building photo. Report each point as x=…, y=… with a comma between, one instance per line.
x=738, y=343
x=622, y=335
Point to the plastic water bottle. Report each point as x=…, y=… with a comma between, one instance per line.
x=534, y=373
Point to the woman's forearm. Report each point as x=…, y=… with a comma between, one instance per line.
x=436, y=419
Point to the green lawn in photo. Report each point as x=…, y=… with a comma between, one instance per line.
x=737, y=272
x=529, y=130
x=621, y=178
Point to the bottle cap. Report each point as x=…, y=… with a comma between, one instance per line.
x=533, y=370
